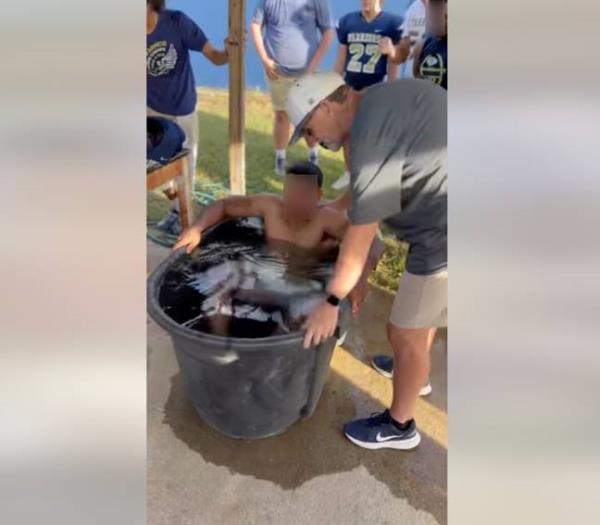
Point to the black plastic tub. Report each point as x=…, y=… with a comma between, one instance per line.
x=246, y=388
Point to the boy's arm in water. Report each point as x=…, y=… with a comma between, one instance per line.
x=229, y=207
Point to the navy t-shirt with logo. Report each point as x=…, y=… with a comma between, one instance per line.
x=365, y=65
x=433, y=60
x=170, y=84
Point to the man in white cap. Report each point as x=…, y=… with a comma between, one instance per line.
x=397, y=152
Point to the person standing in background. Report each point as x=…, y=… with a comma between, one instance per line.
x=431, y=54
x=413, y=30
x=290, y=48
x=360, y=59
x=170, y=84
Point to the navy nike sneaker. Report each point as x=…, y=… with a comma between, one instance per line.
x=379, y=431
x=384, y=364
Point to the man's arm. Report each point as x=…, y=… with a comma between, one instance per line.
x=417, y=59
x=340, y=61
x=337, y=224
x=325, y=25
x=229, y=207
x=217, y=56
x=326, y=39
x=400, y=53
x=348, y=270
x=259, y=44
x=354, y=253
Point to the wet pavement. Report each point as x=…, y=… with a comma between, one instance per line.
x=310, y=474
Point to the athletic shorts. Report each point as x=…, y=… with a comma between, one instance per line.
x=421, y=301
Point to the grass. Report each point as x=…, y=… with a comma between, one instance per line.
x=213, y=165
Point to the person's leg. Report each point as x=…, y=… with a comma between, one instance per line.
x=170, y=223
x=412, y=362
x=189, y=125
x=281, y=130
x=281, y=122
x=169, y=190
x=420, y=305
x=426, y=293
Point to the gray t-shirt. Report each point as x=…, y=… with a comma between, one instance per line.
x=291, y=31
x=399, y=170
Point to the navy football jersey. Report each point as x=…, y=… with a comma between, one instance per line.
x=433, y=60
x=365, y=65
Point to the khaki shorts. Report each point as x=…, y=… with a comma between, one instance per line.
x=279, y=92
x=421, y=301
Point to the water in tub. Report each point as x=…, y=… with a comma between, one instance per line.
x=239, y=285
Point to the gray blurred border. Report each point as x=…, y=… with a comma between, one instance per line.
x=524, y=157
x=524, y=258
x=72, y=323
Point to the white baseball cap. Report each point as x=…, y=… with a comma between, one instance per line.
x=305, y=95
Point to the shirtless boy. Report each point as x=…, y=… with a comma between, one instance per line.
x=297, y=217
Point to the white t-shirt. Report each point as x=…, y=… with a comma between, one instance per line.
x=413, y=26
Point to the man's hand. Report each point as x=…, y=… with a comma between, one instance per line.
x=321, y=324
x=271, y=69
x=387, y=47
x=190, y=238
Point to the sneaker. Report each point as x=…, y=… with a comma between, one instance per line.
x=384, y=364
x=379, y=431
x=280, y=166
x=313, y=157
x=342, y=182
x=171, y=223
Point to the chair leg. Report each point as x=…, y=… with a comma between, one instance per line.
x=184, y=194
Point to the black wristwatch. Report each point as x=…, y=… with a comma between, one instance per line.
x=334, y=300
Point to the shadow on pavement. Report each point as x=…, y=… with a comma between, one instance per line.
x=317, y=447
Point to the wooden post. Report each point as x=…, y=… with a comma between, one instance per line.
x=237, y=107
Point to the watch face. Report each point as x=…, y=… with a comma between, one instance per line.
x=333, y=300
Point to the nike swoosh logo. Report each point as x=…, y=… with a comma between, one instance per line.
x=379, y=438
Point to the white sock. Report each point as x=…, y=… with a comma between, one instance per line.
x=314, y=151
x=280, y=153
x=175, y=204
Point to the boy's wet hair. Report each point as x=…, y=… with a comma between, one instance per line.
x=306, y=169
